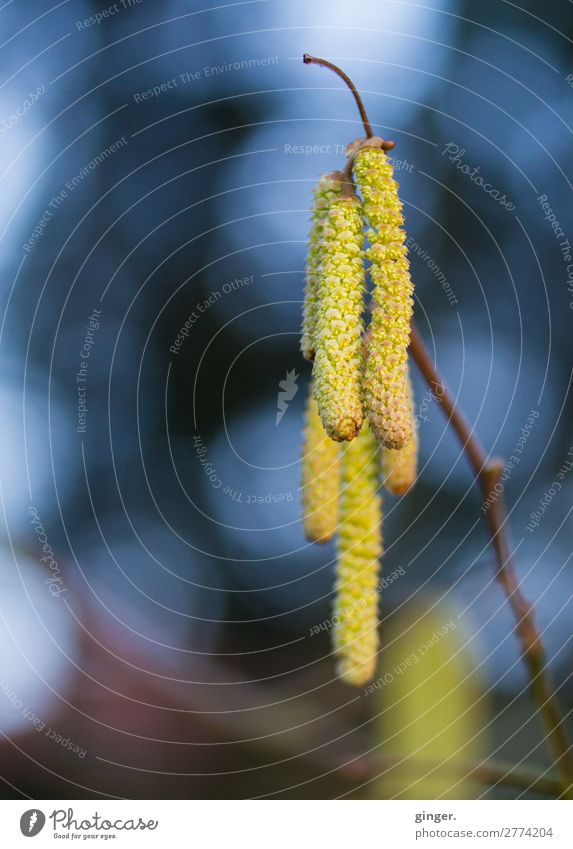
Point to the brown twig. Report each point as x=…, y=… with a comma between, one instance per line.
x=488, y=472
x=488, y=773
x=324, y=63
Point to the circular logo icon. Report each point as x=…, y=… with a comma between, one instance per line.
x=32, y=822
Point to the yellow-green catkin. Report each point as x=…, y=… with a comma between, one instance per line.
x=339, y=360
x=385, y=381
x=400, y=466
x=432, y=717
x=320, y=478
x=329, y=187
x=355, y=619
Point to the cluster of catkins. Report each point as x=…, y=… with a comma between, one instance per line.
x=361, y=394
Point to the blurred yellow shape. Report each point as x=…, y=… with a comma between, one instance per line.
x=430, y=714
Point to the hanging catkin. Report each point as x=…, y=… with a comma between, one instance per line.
x=338, y=363
x=400, y=467
x=329, y=187
x=385, y=385
x=320, y=478
x=359, y=551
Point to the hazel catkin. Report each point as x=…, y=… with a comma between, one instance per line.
x=400, y=466
x=339, y=360
x=328, y=187
x=355, y=618
x=320, y=478
x=385, y=382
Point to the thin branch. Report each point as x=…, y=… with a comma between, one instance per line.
x=324, y=63
x=488, y=772
x=488, y=473
x=524, y=778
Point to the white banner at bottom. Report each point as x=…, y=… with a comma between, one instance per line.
x=288, y=824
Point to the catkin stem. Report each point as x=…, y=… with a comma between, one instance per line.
x=324, y=63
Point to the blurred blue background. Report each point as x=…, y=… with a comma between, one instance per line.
x=157, y=167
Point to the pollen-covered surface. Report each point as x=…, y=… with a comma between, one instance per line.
x=385, y=380
x=355, y=618
x=320, y=478
x=324, y=193
x=400, y=467
x=339, y=361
